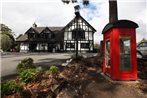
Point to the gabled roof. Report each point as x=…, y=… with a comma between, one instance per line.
x=29, y=30
x=55, y=28
x=22, y=38
x=82, y=19
x=45, y=28
x=40, y=29
x=88, y=24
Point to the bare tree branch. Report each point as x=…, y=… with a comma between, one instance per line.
x=85, y=2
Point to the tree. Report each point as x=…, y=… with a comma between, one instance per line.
x=6, y=42
x=143, y=40
x=5, y=28
x=6, y=38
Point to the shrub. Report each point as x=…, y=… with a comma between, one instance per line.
x=25, y=64
x=53, y=70
x=19, y=67
x=10, y=87
x=27, y=61
x=38, y=70
x=27, y=75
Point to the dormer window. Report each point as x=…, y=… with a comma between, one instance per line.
x=30, y=35
x=43, y=35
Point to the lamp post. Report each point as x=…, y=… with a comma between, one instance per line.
x=78, y=30
x=77, y=8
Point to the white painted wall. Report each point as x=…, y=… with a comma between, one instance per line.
x=65, y=35
x=90, y=36
x=86, y=35
x=70, y=49
x=42, y=46
x=91, y=48
x=24, y=47
x=69, y=35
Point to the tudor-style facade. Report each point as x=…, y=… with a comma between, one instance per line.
x=54, y=39
x=41, y=39
x=85, y=33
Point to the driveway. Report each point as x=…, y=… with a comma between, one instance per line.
x=9, y=61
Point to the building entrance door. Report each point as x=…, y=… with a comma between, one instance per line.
x=32, y=47
x=50, y=47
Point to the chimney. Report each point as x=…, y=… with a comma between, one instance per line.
x=34, y=25
x=113, y=16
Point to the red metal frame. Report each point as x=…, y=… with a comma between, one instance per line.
x=114, y=71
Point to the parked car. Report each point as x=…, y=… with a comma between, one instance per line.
x=142, y=49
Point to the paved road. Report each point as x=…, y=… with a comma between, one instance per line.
x=10, y=61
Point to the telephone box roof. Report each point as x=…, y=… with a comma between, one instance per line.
x=120, y=24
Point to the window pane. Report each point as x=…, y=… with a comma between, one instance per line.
x=108, y=53
x=84, y=45
x=125, y=54
x=70, y=45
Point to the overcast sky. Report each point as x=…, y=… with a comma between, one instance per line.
x=19, y=15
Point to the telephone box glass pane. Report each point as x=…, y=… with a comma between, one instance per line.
x=108, y=53
x=125, y=54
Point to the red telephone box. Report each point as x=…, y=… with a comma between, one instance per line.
x=119, y=52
